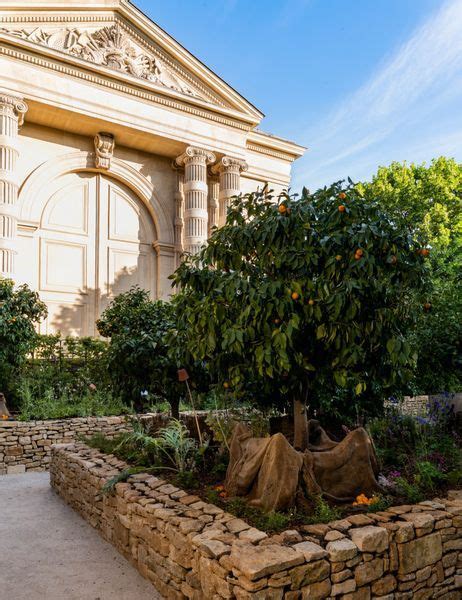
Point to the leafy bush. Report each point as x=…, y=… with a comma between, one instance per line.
x=419, y=455
x=21, y=311
x=66, y=378
x=52, y=405
x=142, y=361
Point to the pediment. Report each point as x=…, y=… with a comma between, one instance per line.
x=125, y=41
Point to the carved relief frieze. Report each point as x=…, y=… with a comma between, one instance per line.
x=109, y=46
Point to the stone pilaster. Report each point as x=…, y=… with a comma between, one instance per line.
x=229, y=170
x=195, y=162
x=12, y=111
x=213, y=202
x=179, y=209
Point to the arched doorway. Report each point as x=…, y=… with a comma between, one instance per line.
x=94, y=242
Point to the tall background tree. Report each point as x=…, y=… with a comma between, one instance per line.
x=299, y=295
x=427, y=199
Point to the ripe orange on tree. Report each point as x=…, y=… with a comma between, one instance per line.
x=342, y=196
x=311, y=302
x=282, y=208
x=341, y=208
x=226, y=385
x=295, y=296
x=338, y=257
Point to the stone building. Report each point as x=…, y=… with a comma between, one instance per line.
x=118, y=151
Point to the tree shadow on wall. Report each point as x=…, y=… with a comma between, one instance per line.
x=78, y=317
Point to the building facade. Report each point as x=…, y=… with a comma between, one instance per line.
x=119, y=151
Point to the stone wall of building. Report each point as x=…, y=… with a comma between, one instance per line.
x=191, y=549
x=417, y=406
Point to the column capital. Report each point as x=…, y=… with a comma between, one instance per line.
x=228, y=163
x=15, y=103
x=192, y=153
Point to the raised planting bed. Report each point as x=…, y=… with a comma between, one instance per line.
x=189, y=548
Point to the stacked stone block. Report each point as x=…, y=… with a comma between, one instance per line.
x=192, y=549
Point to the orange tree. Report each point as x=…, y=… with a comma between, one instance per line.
x=295, y=293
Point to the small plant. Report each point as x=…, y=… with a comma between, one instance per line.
x=428, y=476
x=380, y=504
x=109, y=486
x=410, y=491
x=323, y=512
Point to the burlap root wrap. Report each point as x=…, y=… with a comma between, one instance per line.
x=272, y=474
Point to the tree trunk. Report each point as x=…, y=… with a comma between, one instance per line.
x=175, y=408
x=300, y=425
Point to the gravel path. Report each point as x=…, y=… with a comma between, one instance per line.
x=48, y=552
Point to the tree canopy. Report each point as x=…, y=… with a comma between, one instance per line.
x=301, y=293
x=428, y=199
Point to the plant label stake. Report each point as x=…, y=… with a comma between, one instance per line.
x=184, y=376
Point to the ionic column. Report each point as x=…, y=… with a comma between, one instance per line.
x=195, y=162
x=213, y=203
x=12, y=111
x=179, y=222
x=230, y=170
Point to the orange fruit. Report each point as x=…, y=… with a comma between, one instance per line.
x=277, y=321
x=425, y=252
x=341, y=208
x=342, y=195
x=226, y=385
x=359, y=252
x=282, y=208
x=311, y=302
x=394, y=260
x=295, y=296
x=338, y=257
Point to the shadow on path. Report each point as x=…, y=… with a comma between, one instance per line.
x=48, y=552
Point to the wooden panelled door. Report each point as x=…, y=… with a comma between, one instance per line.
x=95, y=241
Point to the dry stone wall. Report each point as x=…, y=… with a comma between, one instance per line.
x=191, y=549
x=26, y=445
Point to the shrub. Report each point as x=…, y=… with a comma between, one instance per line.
x=21, y=311
x=142, y=362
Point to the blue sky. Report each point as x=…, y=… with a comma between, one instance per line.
x=360, y=82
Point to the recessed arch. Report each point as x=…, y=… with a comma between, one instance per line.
x=33, y=193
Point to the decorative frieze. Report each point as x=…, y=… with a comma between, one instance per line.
x=12, y=111
x=109, y=46
x=229, y=170
x=195, y=162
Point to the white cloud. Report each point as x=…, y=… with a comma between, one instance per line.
x=414, y=85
